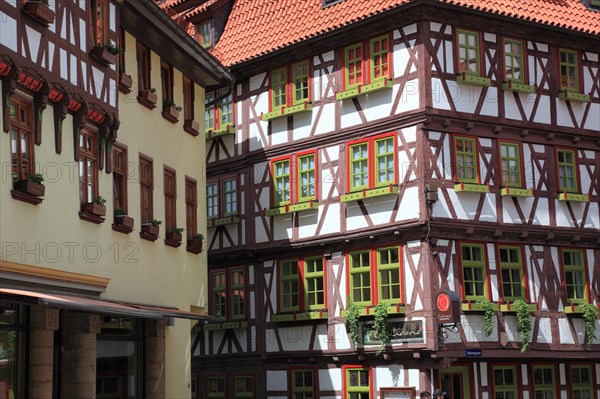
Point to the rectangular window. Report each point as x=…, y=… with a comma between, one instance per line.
x=473, y=264
x=205, y=33
x=567, y=170
x=229, y=197
x=215, y=387
x=294, y=178
x=357, y=382
x=290, y=85
x=581, y=381
x=289, y=295
x=353, y=66
x=218, y=116
x=510, y=165
x=468, y=52
x=146, y=189
x=188, y=99
x=380, y=268
x=466, y=165
x=300, y=73
x=388, y=269
x=282, y=182
x=212, y=200
x=505, y=382
x=513, y=283
x=119, y=168
x=372, y=163
x=575, y=281
x=225, y=110
x=544, y=382
x=191, y=208
x=88, y=166
x=209, y=113
x=380, y=57
x=166, y=78
x=307, y=189
x=219, y=294
x=367, y=62
x=221, y=198
x=360, y=277
x=244, y=387
x=143, y=67
x=21, y=138
x=170, y=199
x=99, y=13
x=237, y=289
x=302, y=383
x=569, y=70
x=514, y=60
x=314, y=284
x=279, y=87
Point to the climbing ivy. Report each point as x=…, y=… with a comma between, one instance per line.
x=353, y=321
x=523, y=322
x=380, y=327
x=590, y=314
x=489, y=312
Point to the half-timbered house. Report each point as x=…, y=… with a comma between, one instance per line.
x=101, y=110
x=381, y=152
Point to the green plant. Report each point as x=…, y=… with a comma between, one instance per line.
x=353, y=321
x=489, y=312
x=36, y=178
x=112, y=48
x=178, y=230
x=156, y=222
x=590, y=314
x=169, y=103
x=523, y=322
x=99, y=200
x=198, y=237
x=120, y=212
x=380, y=327
x=152, y=90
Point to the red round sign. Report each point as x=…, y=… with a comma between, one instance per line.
x=443, y=302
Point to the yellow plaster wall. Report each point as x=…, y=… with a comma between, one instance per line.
x=52, y=234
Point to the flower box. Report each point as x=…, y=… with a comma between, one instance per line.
x=474, y=80
x=471, y=188
x=518, y=87
x=378, y=85
x=103, y=54
x=573, y=96
x=191, y=126
x=171, y=113
x=147, y=98
x=282, y=111
x=509, y=307
x=125, y=82
x=174, y=236
x=516, y=192
x=124, y=220
x=574, y=197
x=94, y=209
x=370, y=193
x=30, y=187
x=151, y=229
x=40, y=11
x=194, y=245
x=472, y=306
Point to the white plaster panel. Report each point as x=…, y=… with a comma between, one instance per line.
x=401, y=56
x=276, y=380
x=255, y=82
x=307, y=223
x=256, y=141
x=465, y=206
x=111, y=17
x=279, y=133
x=341, y=337
x=524, y=374
x=563, y=213
x=332, y=219
x=232, y=230
x=349, y=116
x=282, y=227
x=330, y=379
x=473, y=328
x=376, y=104
x=489, y=37
x=410, y=29
x=562, y=375
x=544, y=332
x=34, y=38
x=449, y=50
x=438, y=96
x=303, y=124
x=467, y=97
x=261, y=234
x=379, y=208
x=542, y=114
x=565, y=332
x=322, y=338
x=484, y=374
x=328, y=56
x=593, y=119
x=588, y=79
x=591, y=56
x=98, y=78
x=327, y=120
x=73, y=69
x=510, y=213
x=563, y=117
x=9, y=32
x=82, y=33
x=409, y=99
x=72, y=23
x=251, y=275
x=409, y=207
x=294, y=338
x=510, y=326
x=435, y=27
x=389, y=376
x=50, y=64
x=112, y=92
x=63, y=30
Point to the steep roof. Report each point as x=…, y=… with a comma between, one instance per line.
x=258, y=27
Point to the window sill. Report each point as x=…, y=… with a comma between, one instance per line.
x=573, y=197
x=472, y=306
x=25, y=197
x=90, y=217
x=287, y=111
x=574, y=308
x=172, y=243
x=374, y=192
x=399, y=308
x=226, y=325
x=224, y=131
x=302, y=316
x=518, y=87
x=471, y=188
x=473, y=80
x=572, y=96
x=171, y=114
x=192, y=127
x=122, y=228
x=291, y=208
x=125, y=83
x=147, y=99
x=223, y=221
x=194, y=246
x=102, y=54
x=378, y=85
x=40, y=12
x=516, y=192
x=508, y=308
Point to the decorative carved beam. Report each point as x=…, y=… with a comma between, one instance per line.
x=10, y=73
x=60, y=100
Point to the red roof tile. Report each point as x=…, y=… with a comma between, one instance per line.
x=258, y=27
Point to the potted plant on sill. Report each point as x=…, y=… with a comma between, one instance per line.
x=32, y=185
x=171, y=109
x=149, y=95
x=192, y=126
x=194, y=244
x=96, y=207
x=175, y=234
x=40, y=9
x=107, y=52
x=152, y=227
x=122, y=219
x=125, y=81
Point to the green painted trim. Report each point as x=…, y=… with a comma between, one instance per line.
x=290, y=208
x=516, y=192
x=574, y=309
x=399, y=308
x=302, y=316
x=224, y=131
x=564, y=196
x=223, y=221
x=380, y=84
x=279, y=210
x=471, y=188
x=507, y=307
x=472, y=306
x=474, y=80
x=595, y=3
x=374, y=192
x=225, y=325
x=572, y=96
x=518, y=87
x=286, y=111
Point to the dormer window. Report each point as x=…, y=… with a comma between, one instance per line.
x=205, y=33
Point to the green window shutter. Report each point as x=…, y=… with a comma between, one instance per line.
x=575, y=279
x=219, y=305
x=468, y=53
x=288, y=286
x=388, y=268
x=544, y=385
x=511, y=273
x=358, y=384
x=473, y=271
x=229, y=197
x=360, y=278
x=510, y=164
x=385, y=161
x=379, y=51
x=569, y=70
x=359, y=166
x=281, y=182
x=238, y=294
x=306, y=178
x=300, y=82
x=505, y=382
x=279, y=88
x=567, y=171
x=466, y=160
x=514, y=60
x=353, y=68
x=314, y=284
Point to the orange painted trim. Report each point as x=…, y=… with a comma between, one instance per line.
x=54, y=274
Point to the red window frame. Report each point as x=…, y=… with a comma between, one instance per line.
x=119, y=170
x=188, y=99
x=294, y=178
x=300, y=265
x=454, y=163
x=366, y=60
x=315, y=373
x=289, y=87
x=374, y=272
x=593, y=375
x=21, y=167
x=521, y=160
x=525, y=65
x=488, y=283
x=227, y=271
x=372, y=156
x=146, y=189
x=499, y=271
x=357, y=366
x=143, y=67
x=191, y=207
x=170, y=193
x=88, y=153
x=577, y=171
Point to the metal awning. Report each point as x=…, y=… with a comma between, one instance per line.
x=98, y=306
